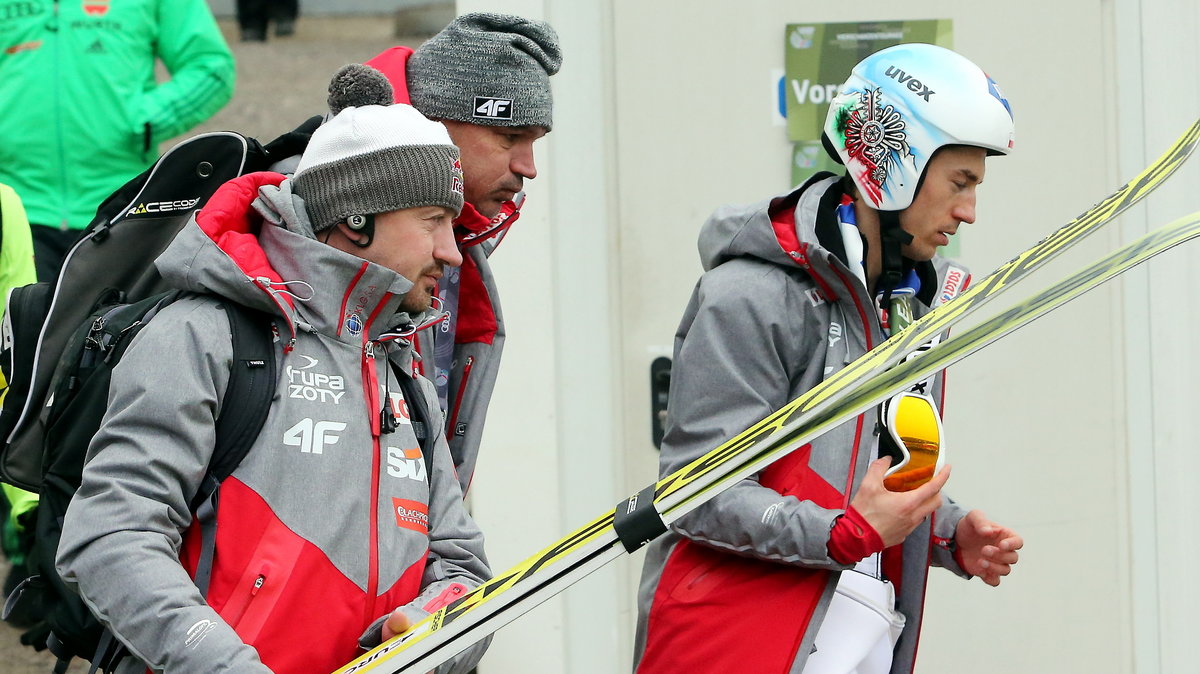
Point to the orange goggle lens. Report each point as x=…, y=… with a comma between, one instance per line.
x=915, y=427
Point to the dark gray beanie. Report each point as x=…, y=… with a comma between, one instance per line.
x=376, y=159
x=488, y=69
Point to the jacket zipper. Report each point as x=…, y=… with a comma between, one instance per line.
x=928, y=562
x=800, y=257
x=862, y=314
x=371, y=386
x=451, y=428
x=235, y=617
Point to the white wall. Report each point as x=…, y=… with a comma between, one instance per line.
x=1157, y=67
x=1074, y=431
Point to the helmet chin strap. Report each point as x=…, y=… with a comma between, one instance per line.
x=892, y=239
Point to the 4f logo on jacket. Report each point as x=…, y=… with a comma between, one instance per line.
x=313, y=436
x=487, y=107
x=406, y=463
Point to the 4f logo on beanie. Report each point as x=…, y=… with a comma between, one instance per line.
x=487, y=107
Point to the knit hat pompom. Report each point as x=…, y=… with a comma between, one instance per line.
x=356, y=85
x=375, y=159
x=489, y=69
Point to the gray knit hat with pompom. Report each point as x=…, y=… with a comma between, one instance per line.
x=374, y=159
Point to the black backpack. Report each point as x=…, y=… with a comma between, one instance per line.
x=80, y=397
x=62, y=339
x=116, y=251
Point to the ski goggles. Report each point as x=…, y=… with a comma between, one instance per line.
x=914, y=440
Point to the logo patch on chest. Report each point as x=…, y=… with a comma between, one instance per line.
x=412, y=515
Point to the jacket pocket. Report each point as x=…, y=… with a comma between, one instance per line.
x=263, y=581
x=454, y=429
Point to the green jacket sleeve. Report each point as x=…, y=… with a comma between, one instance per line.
x=201, y=66
x=16, y=245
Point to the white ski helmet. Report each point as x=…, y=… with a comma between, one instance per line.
x=903, y=103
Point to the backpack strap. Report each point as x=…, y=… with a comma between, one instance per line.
x=419, y=415
x=244, y=409
x=251, y=389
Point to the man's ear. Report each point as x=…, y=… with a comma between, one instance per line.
x=360, y=236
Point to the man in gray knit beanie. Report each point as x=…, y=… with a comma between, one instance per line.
x=384, y=183
x=487, y=78
x=490, y=69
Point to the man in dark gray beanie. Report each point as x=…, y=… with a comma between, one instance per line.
x=487, y=78
x=491, y=69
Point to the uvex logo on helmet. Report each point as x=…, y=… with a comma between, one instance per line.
x=914, y=85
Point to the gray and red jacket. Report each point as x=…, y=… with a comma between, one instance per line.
x=743, y=582
x=328, y=524
x=479, y=324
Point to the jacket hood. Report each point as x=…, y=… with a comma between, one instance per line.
x=747, y=230
x=799, y=229
x=253, y=244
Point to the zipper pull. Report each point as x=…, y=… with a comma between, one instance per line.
x=92, y=341
x=258, y=583
x=93, y=344
x=387, y=421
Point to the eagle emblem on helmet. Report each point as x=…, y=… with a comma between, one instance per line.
x=874, y=134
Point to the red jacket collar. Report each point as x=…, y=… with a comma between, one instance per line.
x=232, y=223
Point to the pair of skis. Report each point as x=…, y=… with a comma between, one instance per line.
x=859, y=386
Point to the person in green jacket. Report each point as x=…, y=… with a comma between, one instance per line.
x=83, y=112
x=16, y=269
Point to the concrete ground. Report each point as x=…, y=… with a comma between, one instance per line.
x=280, y=83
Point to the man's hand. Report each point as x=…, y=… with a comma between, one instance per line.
x=397, y=623
x=895, y=514
x=985, y=548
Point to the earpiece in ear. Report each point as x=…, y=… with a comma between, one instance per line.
x=364, y=224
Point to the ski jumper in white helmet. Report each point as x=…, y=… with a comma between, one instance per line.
x=898, y=108
x=750, y=580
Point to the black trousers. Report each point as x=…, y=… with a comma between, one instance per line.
x=253, y=15
x=50, y=248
